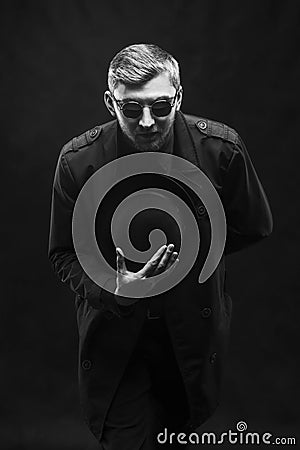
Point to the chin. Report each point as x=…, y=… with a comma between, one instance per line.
x=149, y=147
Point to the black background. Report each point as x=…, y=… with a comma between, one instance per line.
x=239, y=65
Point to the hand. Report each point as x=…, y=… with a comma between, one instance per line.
x=137, y=284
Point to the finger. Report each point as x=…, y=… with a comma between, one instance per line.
x=121, y=266
x=157, y=255
x=170, y=269
x=169, y=257
x=153, y=261
x=174, y=258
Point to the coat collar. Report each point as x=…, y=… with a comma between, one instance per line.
x=184, y=144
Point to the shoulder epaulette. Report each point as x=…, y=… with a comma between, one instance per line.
x=83, y=140
x=217, y=129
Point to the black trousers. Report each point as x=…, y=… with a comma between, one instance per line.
x=150, y=397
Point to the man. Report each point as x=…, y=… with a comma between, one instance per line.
x=152, y=364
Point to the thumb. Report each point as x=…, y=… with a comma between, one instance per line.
x=121, y=266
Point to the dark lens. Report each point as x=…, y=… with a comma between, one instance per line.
x=161, y=108
x=132, y=110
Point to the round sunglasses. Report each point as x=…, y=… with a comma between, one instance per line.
x=133, y=110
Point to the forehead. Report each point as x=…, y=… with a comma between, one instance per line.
x=159, y=86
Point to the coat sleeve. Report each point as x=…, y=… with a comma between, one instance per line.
x=248, y=214
x=61, y=252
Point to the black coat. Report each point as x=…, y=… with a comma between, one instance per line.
x=197, y=315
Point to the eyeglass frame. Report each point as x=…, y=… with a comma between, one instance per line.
x=121, y=105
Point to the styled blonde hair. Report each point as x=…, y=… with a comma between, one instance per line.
x=139, y=63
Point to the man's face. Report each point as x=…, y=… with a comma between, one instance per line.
x=147, y=132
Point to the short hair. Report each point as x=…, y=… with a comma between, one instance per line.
x=139, y=63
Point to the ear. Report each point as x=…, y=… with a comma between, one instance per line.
x=179, y=98
x=109, y=103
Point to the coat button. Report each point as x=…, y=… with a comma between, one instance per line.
x=86, y=364
x=93, y=132
x=202, y=125
x=206, y=312
x=213, y=357
x=201, y=210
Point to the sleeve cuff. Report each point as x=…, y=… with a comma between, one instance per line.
x=121, y=306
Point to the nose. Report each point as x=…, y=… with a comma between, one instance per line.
x=146, y=121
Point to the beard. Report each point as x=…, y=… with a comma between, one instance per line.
x=148, y=145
